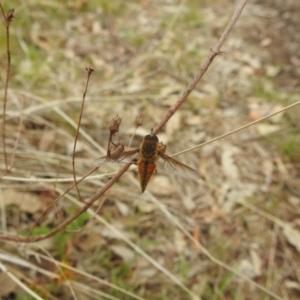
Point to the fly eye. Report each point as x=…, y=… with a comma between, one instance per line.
x=151, y=137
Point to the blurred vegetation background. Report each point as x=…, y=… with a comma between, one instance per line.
x=245, y=208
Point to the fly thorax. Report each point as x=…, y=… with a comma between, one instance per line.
x=149, y=153
x=149, y=148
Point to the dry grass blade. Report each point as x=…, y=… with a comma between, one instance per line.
x=91, y=292
x=238, y=129
x=214, y=52
x=138, y=250
x=228, y=228
x=19, y=283
x=8, y=17
x=83, y=273
x=206, y=252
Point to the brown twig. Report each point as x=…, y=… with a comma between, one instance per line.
x=60, y=197
x=65, y=223
x=137, y=122
x=90, y=71
x=17, y=140
x=88, y=203
x=216, y=50
x=113, y=129
x=8, y=19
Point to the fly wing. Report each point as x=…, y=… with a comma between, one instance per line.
x=176, y=167
x=122, y=158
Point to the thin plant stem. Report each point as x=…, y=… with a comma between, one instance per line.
x=8, y=19
x=216, y=50
x=90, y=71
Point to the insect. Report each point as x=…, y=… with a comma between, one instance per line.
x=146, y=157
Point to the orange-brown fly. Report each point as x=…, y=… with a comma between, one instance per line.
x=146, y=157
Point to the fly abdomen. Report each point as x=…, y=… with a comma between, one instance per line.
x=146, y=170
